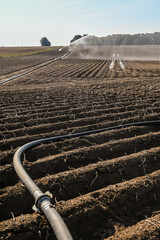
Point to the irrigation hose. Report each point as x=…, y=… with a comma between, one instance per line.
x=42, y=200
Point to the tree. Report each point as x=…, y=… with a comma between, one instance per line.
x=76, y=37
x=85, y=35
x=44, y=42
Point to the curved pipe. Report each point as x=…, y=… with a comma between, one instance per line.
x=42, y=201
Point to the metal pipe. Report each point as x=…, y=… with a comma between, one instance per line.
x=42, y=201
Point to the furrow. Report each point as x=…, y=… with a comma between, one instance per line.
x=87, y=216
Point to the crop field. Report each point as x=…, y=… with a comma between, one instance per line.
x=106, y=186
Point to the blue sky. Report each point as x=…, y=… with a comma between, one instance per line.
x=24, y=22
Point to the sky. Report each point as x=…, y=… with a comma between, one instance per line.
x=25, y=22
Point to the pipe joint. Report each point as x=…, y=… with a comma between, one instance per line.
x=42, y=201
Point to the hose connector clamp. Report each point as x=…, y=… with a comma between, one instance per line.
x=40, y=199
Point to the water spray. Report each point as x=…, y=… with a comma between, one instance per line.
x=113, y=61
x=60, y=49
x=114, y=57
x=120, y=62
x=82, y=38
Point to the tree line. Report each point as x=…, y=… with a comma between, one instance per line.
x=123, y=39
x=115, y=39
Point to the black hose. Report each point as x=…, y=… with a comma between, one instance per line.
x=42, y=201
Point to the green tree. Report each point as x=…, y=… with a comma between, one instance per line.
x=76, y=37
x=44, y=42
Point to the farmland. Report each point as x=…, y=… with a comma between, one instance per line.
x=14, y=59
x=105, y=185
x=6, y=52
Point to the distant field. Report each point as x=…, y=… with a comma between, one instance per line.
x=13, y=59
x=23, y=51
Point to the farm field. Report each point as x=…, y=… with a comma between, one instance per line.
x=14, y=59
x=105, y=185
x=6, y=52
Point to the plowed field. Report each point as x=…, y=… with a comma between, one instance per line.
x=15, y=59
x=106, y=185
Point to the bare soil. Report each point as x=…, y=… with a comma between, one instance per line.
x=14, y=59
x=106, y=185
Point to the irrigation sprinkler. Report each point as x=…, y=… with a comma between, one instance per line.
x=60, y=49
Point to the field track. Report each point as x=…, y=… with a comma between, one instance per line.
x=106, y=185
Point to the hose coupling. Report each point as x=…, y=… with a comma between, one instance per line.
x=42, y=199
